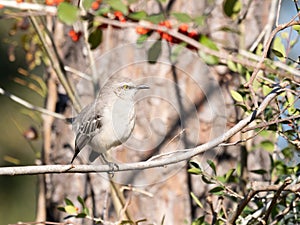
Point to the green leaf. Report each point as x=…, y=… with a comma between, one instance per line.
x=195, y=171
x=87, y=4
x=236, y=96
x=195, y=164
x=207, y=180
x=277, y=53
x=232, y=66
x=137, y=15
x=102, y=11
x=68, y=202
x=95, y=38
x=86, y=211
x=243, y=106
x=259, y=171
x=118, y=5
x=199, y=221
x=229, y=175
x=217, y=190
x=194, y=197
x=232, y=8
x=155, y=18
x=70, y=209
x=182, y=17
x=142, y=38
x=296, y=27
x=212, y=165
x=81, y=215
x=61, y=208
x=154, y=52
x=266, y=90
x=267, y=145
x=81, y=201
x=176, y=51
x=195, y=168
x=209, y=59
x=67, y=13
x=278, y=48
x=208, y=42
x=199, y=20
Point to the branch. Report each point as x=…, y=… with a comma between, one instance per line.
x=177, y=157
x=30, y=106
x=286, y=186
x=274, y=199
x=257, y=63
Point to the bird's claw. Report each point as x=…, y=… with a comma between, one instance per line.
x=112, y=168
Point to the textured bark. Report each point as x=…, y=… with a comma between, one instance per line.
x=188, y=104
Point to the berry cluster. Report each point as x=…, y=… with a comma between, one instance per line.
x=75, y=36
x=183, y=29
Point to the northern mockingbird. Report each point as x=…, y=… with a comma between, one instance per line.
x=109, y=120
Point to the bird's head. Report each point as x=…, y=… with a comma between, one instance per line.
x=127, y=89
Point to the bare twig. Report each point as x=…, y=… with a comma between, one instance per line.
x=267, y=46
x=286, y=186
x=266, y=124
x=30, y=106
x=274, y=199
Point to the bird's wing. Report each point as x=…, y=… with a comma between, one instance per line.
x=86, y=131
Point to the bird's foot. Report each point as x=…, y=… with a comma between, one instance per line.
x=112, y=166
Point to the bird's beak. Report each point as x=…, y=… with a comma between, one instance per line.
x=142, y=86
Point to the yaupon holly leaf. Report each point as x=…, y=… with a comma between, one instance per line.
x=67, y=13
x=182, y=17
x=137, y=15
x=236, y=96
x=154, y=52
x=95, y=38
x=212, y=165
x=119, y=6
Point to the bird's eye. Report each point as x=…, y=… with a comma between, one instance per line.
x=125, y=86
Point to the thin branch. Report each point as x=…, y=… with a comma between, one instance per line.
x=274, y=199
x=267, y=46
x=55, y=62
x=30, y=106
x=49, y=10
x=242, y=140
x=30, y=170
x=266, y=124
x=78, y=73
x=286, y=186
x=221, y=53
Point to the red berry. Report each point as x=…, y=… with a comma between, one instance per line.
x=167, y=37
x=183, y=28
x=141, y=30
x=118, y=14
x=193, y=34
x=167, y=24
x=50, y=2
x=95, y=5
x=72, y=33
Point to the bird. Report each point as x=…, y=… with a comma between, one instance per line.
x=109, y=120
